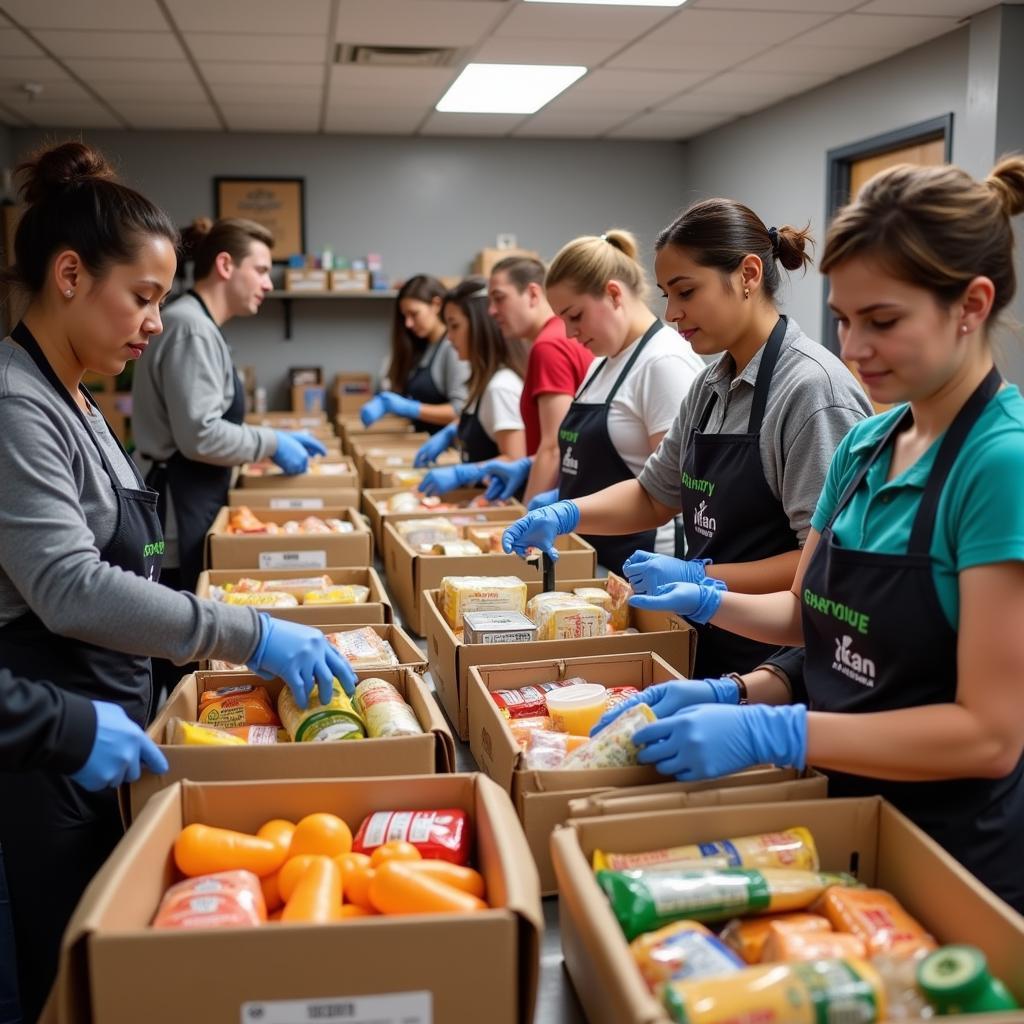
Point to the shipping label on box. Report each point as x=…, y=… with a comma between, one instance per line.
x=395, y=1008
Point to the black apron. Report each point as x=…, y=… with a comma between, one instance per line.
x=730, y=513
x=589, y=462
x=893, y=649
x=421, y=387
x=199, y=491
x=475, y=443
x=54, y=834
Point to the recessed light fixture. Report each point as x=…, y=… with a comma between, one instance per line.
x=616, y=3
x=507, y=88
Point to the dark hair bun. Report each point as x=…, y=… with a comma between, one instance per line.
x=792, y=247
x=1007, y=182
x=50, y=172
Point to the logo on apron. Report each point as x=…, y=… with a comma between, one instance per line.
x=850, y=664
x=569, y=464
x=700, y=486
x=704, y=524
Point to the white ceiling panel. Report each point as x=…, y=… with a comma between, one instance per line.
x=150, y=92
x=170, y=72
x=179, y=116
x=803, y=6
x=570, y=21
x=629, y=91
x=130, y=15
x=877, y=29
x=550, y=123
x=417, y=22
x=373, y=121
x=470, y=124
x=936, y=8
x=652, y=54
x=14, y=43
x=711, y=102
x=516, y=50
x=116, y=45
x=302, y=17
x=72, y=115
x=660, y=125
x=226, y=73
x=13, y=95
x=37, y=69
x=694, y=28
x=835, y=59
x=252, y=93
x=761, y=83
x=416, y=88
x=271, y=117
x=279, y=49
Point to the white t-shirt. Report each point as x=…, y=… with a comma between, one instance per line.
x=498, y=408
x=648, y=400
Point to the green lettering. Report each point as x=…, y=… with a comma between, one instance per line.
x=856, y=620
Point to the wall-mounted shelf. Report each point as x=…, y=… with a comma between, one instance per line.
x=286, y=298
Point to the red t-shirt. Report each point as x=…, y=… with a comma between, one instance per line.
x=556, y=366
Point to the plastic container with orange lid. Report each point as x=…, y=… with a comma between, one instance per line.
x=577, y=708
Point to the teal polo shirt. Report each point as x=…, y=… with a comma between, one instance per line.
x=980, y=518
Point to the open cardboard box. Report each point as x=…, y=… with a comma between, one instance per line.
x=410, y=574
x=289, y=420
x=377, y=607
x=351, y=391
x=373, y=498
x=434, y=751
x=473, y=967
x=866, y=836
x=362, y=448
x=351, y=429
x=542, y=799
x=376, y=466
x=289, y=551
x=450, y=659
x=346, y=478
x=311, y=498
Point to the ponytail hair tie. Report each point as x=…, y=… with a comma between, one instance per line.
x=604, y=238
x=773, y=237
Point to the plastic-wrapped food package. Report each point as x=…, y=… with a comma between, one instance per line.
x=438, y=835
x=407, y=501
x=620, y=592
x=258, y=599
x=747, y=935
x=786, y=946
x=353, y=593
x=461, y=594
x=455, y=547
x=616, y=695
x=528, y=701
x=613, y=746
x=364, y=648
x=562, y=616
x=548, y=750
x=682, y=951
x=228, y=899
x=195, y=734
x=523, y=728
x=384, y=710
x=231, y=706
x=419, y=532
x=486, y=538
x=296, y=586
x=878, y=918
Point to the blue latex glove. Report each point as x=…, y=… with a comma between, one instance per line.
x=542, y=499
x=696, y=601
x=119, y=752
x=389, y=402
x=538, y=529
x=647, y=571
x=302, y=657
x=442, y=479
x=710, y=740
x=666, y=699
x=294, y=448
x=506, y=478
x=439, y=443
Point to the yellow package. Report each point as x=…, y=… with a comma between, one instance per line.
x=561, y=616
x=747, y=935
x=461, y=594
x=788, y=946
x=262, y=599
x=343, y=594
x=790, y=848
x=192, y=734
x=233, y=706
x=878, y=918
x=682, y=951
x=455, y=547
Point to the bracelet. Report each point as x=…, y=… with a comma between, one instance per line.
x=738, y=680
x=781, y=676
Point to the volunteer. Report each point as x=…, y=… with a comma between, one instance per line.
x=747, y=454
x=426, y=382
x=490, y=426
x=80, y=544
x=554, y=371
x=910, y=591
x=188, y=402
x=630, y=396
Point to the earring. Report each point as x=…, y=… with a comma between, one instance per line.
x=746, y=293
x=963, y=328
x=69, y=294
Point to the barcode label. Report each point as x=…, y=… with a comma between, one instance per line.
x=296, y=502
x=394, y=1008
x=293, y=559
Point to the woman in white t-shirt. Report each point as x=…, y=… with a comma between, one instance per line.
x=631, y=396
x=490, y=426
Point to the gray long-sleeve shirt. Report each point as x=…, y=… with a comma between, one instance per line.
x=449, y=373
x=58, y=508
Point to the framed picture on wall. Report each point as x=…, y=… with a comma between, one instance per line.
x=276, y=203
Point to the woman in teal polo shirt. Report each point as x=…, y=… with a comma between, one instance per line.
x=909, y=595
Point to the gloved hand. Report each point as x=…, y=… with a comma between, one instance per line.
x=666, y=699
x=696, y=601
x=542, y=499
x=442, y=479
x=538, y=529
x=302, y=657
x=294, y=448
x=440, y=442
x=388, y=402
x=119, y=752
x=505, y=478
x=647, y=571
x=710, y=740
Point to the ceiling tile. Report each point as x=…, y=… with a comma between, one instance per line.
x=117, y=45
x=667, y=126
x=514, y=50
x=175, y=116
x=470, y=124
x=630, y=91
x=149, y=92
x=13, y=95
x=840, y=60
x=39, y=69
x=373, y=120
x=129, y=15
x=271, y=117
x=711, y=102
x=304, y=17
x=803, y=6
x=420, y=88
x=878, y=30
x=694, y=28
x=417, y=22
x=653, y=55
x=72, y=115
x=217, y=73
x=14, y=43
x=570, y=123
x=250, y=93
x=286, y=49
x=170, y=72
x=936, y=8
x=757, y=83
x=568, y=21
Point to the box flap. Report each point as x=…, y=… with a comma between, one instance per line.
x=421, y=700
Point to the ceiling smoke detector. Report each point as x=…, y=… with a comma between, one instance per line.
x=32, y=90
x=396, y=56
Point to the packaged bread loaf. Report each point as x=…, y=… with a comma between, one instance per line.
x=255, y=599
x=417, y=532
x=561, y=616
x=461, y=594
x=878, y=918
x=455, y=547
x=352, y=593
x=364, y=648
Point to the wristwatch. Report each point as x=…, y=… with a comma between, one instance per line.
x=738, y=680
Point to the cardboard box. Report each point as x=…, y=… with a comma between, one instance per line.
x=475, y=967
x=361, y=449
x=410, y=573
x=351, y=392
x=308, y=398
x=289, y=551
x=450, y=659
x=306, y=279
x=486, y=258
x=289, y=420
x=350, y=427
x=349, y=281
x=348, y=478
x=542, y=799
x=376, y=466
x=376, y=609
x=434, y=751
x=310, y=498
x=300, y=376
x=866, y=836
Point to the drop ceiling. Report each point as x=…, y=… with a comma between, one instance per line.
x=268, y=65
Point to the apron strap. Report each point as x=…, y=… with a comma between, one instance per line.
x=647, y=335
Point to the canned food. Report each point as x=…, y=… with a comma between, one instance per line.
x=321, y=723
x=384, y=711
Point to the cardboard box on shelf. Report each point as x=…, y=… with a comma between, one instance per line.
x=434, y=751
x=410, y=573
x=473, y=967
x=376, y=466
x=485, y=259
x=451, y=659
x=310, y=498
x=349, y=281
x=351, y=392
x=866, y=836
x=377, y=607
x=308, y=398
x=289, y=550
x=342, y=474
x=542, y=799
x=301, y=376
x=305, y=279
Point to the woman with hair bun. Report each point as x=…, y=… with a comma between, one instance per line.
x=747, y=452
x=909, y=596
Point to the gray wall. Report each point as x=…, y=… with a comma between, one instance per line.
x=425, y=204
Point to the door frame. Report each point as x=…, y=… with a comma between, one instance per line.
x=838, y=162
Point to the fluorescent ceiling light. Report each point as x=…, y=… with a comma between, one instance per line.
x=507, y=88
x=616, y=3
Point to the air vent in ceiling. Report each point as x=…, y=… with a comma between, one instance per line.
x=396, y=56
